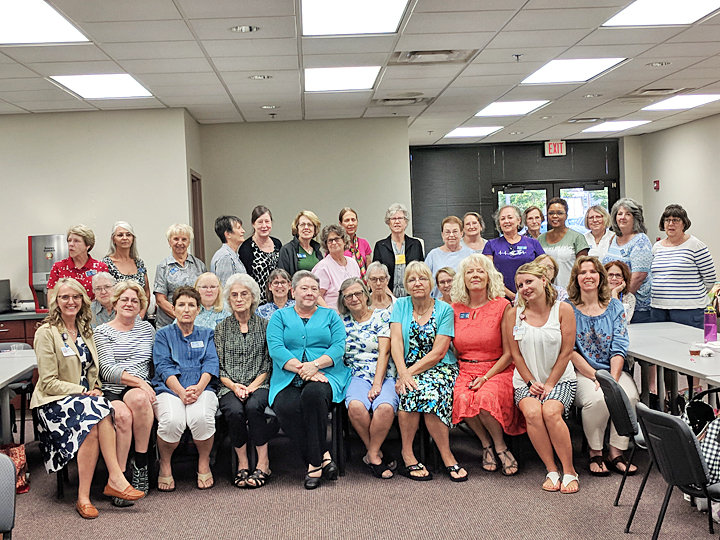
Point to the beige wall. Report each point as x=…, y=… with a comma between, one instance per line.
x=631, y=171
x=320, y=165
x=95, y=168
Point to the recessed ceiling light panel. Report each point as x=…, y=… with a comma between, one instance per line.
x=682, y=102
x=340, y=78
x=482, y=131
x=269, y=106
x=33, y=21
x=511, y=108
x=571, y=71
x=259, y=77
x=114, y=86
x=244, y=29
x=348, y=17
x=619, y=125
x=663, y=13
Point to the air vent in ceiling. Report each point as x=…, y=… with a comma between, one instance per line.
x=584, y=120
x=659, y=92
x=447, y=56
x=399, y=102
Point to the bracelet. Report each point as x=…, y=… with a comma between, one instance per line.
x=530, y=382
x=485, y=378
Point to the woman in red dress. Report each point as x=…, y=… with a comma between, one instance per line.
x=483, y=395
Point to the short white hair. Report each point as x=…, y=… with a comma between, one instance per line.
x=244, y=281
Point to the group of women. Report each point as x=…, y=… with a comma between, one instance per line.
x=484, y=339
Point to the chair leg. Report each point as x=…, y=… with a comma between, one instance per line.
x=60, y=477
x=637, y=498
x=622, y=482
x=341, y=455
x=23, y=407
x=663, y=509
x=710, y=514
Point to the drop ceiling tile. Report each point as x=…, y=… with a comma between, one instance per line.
x=424, y=6
x=34, y=83
x=529, y=54
x=115, y=104
x=206, y=9
x=238, y=91
x=355, y=112
x=118, y=32
x=56, y=53
x=550, y=4
x=185, y=101
x=256, y=63
x=148, y=50
x=177, y=79
x=251, y=47
x=437, y=42
x=538, y=92
x=266, y=98
x=408, y=85
x=686, y=82
x=340, y=60
x=15, y=71
x=280, y=116
x=696, y=73
x=336, y=100
x=605, y=51
x=415, y=71
x=256, y=105
x=215, y=111
x=537, y=38
x=278, y=77
x=629, y=36
x=674, y=50
x=455, y=22
x=390, y=112
x=167, y=65
x=188, y=91
x=560, y=19
x=30, y=96
x=50, y=106
x=113, y=10
x=347, y=45
x=398, y=93
x=5, y=59
x=210, y=120
x=7, y=108
x=219, y=29
x=523, y=69
x=698, y=34
x=76, y=68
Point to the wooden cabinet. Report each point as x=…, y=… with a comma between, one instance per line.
x=30, y=326
x=22, y=331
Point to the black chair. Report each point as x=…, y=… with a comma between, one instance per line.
x=675, y=451
x=7, y=496
x=22, y=387
x=623, y=417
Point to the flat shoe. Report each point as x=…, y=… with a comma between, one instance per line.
x=567, y=479
x=205, y=478
x=120, y=503
x=167, y=480
x=489, y=462
x=612, y=465
x=378, y=470
x=598, y=460
x=456, y=469
x=87, y=511
x=408, y=469
x=129, y=493
x=554, y=477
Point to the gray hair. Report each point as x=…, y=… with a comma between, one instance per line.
x=180, y=228
x=394, y=209
x=302, y=274
x=377, y=265
x=244, y=281
x=342, y=308
x=496, y=217
x=103, y=275
x=333, y=228
x=133, y=247
x=637, y=213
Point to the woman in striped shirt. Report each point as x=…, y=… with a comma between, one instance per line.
x=682, y=272
x=125, y=352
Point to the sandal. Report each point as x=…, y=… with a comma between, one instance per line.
x=389, y=460
x=379, y=469
x=613, y=465
x=258, y=478
x=241, y=477
x=205, y=478
x=456, y=469
x=566, y=481
x=554, y=477
x=508, y=463
x=489, y=461
x=409, y=469
x=167, y=481
x=598, y=460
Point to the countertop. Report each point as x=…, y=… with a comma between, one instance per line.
x=22, y=316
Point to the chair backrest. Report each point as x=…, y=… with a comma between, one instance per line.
x=673, y=447
x=7, y=494
x=621, y=410
x=8, y=346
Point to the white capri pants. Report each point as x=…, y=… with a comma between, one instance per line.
x=595, y=414
x=173, y=416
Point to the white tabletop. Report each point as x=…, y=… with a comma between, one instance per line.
x=15, y=364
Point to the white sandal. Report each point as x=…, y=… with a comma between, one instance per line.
x=567, y=478
x=554, y=477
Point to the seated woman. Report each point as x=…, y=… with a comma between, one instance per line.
x=601, y=342
x=212, y=305
x=444, y=279
x=186, y=371
x=244, y=373
x=336, y=267
x=73, y=417
x=378, y=278
x=543, y=333
x=307, y=343
x=371, y=399
x=551, y=267
x=102, y=309
x=619, y=280
x=278, y=294
x=421, y=329
x=125, y=354
x=483, y=395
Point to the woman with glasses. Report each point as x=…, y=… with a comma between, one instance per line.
x=682, y=270
x=336, y=267
x=212, y=306
x=564, y=244
x=618, y=279
x=357, y=248
x=444, y=279
x=102, y=308
x=123, y=260
x=451, y=252
x=534, y=218
x=599, y=236
x=278, y=294
x=378, y=278
x=303, y=251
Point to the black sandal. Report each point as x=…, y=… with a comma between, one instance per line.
x=612, y=465
x=456, y=469
x=598, y=460
x=258, y=478
x=378, y=469
x=408, y=469
x=241, y=477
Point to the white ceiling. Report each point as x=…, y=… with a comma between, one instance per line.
x=185, y=54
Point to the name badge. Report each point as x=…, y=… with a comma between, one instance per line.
x=173, y=270
x=197, y=344
x=302, y=255
x=90, y=273
x=400, y=259
x=67, y=351
x=464, y=315
x=518, y=332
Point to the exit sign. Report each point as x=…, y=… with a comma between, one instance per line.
x=555, y=148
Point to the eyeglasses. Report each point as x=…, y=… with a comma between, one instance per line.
x=67, y=297
x=335, y=240
x=455, y=232
x=377, y=279
x=444, y=282
x=556, y=213
x=206, y=287
x=279, y=283
x=673, y=220
x=133, y=301
x=305, y=226
x=397, y=219
x=357, y=295
x=103, y=288
x=595, y=218
x=244, y=295
x=414, y=280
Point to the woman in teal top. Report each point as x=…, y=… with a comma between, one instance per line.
x=307, y=344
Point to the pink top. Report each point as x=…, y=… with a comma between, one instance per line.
x=364, y=246
x=477, y=331
x=331, y=276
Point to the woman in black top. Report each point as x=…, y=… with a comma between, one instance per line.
x=259, y=253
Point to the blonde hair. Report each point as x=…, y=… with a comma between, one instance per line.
x=495, y=286
x=600, y=210
x=133, y=247
x=84, y=232
x=180, y=228
x=123, y=286
x=219, y=304
x=311, y=216
x=84, y=315
x=539, y=271
x=418, y=268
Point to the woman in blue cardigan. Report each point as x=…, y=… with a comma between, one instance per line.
x=307, y=343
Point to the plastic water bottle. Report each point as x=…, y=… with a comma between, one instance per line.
x=710, y=324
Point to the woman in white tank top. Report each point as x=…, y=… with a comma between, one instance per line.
x=544, y=379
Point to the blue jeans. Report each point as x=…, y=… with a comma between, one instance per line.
x=688, y=317
x=641, y=317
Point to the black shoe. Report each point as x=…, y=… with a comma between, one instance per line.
x=140, y=479
x=330, y=469
x=312, y=482
x=121, y=503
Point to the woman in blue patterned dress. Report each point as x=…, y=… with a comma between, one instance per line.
x=212, y=305
x=74, y=419
x=421, y=329
x=601, y=342
x=370, y=398
x=278, y=294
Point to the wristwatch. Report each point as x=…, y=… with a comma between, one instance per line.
x=315, y=363
x=529, y=383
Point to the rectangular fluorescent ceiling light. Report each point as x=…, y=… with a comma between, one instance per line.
x=663, y=12
x=351, y=17
x=511, y=108
x=571, y=71
x=24, y=22
x=113, y=86
x=340, y=78
x=620, y=125
x=475, y=132
x=681, y=102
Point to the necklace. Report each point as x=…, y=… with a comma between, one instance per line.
x=419, y=315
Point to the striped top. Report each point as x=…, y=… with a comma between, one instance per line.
x=124, y=351
x=682, y=275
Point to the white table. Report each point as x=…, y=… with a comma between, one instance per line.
x=13, y=365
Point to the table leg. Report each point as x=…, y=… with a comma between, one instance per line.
x=673, y=376
x=644, y=382
x=5, y=414
x=661, y=386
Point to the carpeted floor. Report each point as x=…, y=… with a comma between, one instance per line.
x=488, y=506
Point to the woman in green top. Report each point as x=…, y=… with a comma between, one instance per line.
x=565, y=245
x=302, y=252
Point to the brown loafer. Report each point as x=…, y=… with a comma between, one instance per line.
x=129, y=493
x=87, y=511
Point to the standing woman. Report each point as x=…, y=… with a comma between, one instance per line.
x=543, y=332
x=302, y=252
x=180, y=269
x=378, y=278
x=599, y=236
x=336, y=267
x=357, y=248
x=565, y=245
x=451, y=252
x=483, y=394
x=473, y=225
x=631, y=245
x=259, y=253
x=122, y=258
x=510, y=251
x=73, y=417
x=307, y=343
x=421, y=329
x=79, y=265
x=278, y=294
x=212, y=304
x=683, y=272
x=398, y=249
x=533, y=221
